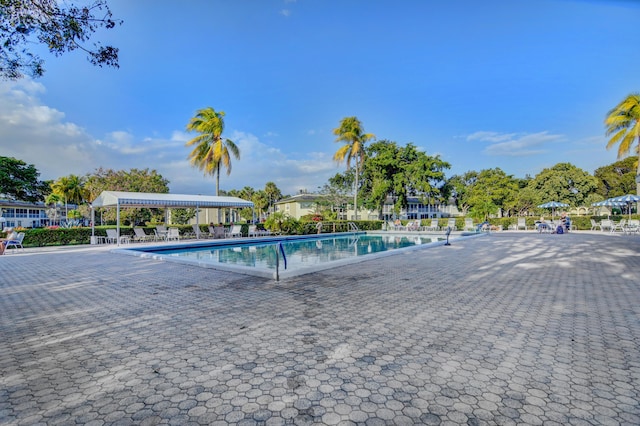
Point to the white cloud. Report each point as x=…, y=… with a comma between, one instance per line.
x=58, y=147
x=516, y=145
x=285, y=12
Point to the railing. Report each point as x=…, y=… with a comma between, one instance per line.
x=280, y=249
x=330, y=227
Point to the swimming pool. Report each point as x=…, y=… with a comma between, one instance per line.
x=266, y=257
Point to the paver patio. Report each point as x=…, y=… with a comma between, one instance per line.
x=512, y=328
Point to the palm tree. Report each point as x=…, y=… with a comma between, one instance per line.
x=71, y=188
x=53, y=200
x=211, y=151
x=273, y=193
x=352, y=134
x=623, y=122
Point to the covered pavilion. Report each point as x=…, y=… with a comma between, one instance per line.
x=119, y=199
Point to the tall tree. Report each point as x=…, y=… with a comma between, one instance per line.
x=565, y=183
x=273, y=193
x=260, y=201
x=59, y=25
x=617, y=178
x=399, y=172
x=352, y=134
x=19, y=181
x=623, y=125
x=133, y=180
x=71, y=188
x=211, y=151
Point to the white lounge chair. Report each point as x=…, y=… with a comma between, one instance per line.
x=254, y=231
x=140, y=235
x=434, y=225
x=452, y=224
x=197, y=233
x=606, y=224
x=522, y=223
x=618, y=226
x=112, y=237
x=468, y=225
x=173, y=234
x=235, y=231
x=633, y=226
x=161, y=232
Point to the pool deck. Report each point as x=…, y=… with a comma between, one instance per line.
x=510, y=328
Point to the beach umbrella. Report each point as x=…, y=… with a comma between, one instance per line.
x=608, y=203
x=552, y=205
x=628, y=200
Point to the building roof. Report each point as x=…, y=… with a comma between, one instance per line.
x=300, y=197
x=150, y=199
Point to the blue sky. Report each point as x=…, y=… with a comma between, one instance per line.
x=515, y=84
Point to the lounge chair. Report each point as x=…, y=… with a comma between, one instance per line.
x=434, y=225
x=254, y=231
x=235, y=231
x=112, y=237
x=14, y=241
x=413, y=226
x=217, y=232
x=468, y=225
x=161, y=232
x=452, y=224
x=594, y=225
x=173, y=234
x=197, y=234
x=140, y=235
x=522, y=223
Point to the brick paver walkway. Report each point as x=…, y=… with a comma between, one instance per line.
x=512, y=328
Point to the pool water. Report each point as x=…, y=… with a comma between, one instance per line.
x=262, y=256
x=298, y=253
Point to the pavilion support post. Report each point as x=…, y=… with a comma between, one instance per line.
x=93, y=226
x=197, y=222
x=118, y=222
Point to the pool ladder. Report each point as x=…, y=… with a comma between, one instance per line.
x=280, y=249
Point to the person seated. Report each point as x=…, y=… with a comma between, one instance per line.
x=11, y=235
x=566, y=221
x=541, y=224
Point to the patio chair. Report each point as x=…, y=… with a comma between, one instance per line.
x=451, y=223
x=434, y=225
x=618, y=226
x=606, y=224
x=522, y=223
x=594, y=225
x=633, y=226
x=14, y=241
